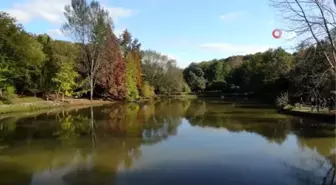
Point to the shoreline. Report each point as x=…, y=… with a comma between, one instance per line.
x=324, y=117
x=8, y=109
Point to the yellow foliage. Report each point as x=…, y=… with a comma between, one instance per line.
x=147, y=91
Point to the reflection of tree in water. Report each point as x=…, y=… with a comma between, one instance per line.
x=275, y=130
x=319, y=139
x=107, y=138
x=314, y=169
x=11, y=173
x=164, y=120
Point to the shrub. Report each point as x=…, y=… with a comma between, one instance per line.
x=186, y=88
x=288, y=107
x=282, y=100
x=9, y=92
x=147, y=91
x=216, y=86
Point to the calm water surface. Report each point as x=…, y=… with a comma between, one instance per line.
x=166, y=143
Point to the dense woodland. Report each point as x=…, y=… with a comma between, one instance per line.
x=269, y=74
x=98, y=64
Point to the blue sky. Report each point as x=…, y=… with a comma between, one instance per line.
x=186, y=30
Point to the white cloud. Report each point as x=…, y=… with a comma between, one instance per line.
x=234, y=49
x=55, y=33
x=19, y=15
x=52, y=11
x=231, y=16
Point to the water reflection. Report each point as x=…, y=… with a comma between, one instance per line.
x=167, y=142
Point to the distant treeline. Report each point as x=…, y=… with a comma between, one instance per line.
x=268, y=74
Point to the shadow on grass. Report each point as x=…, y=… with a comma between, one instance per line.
x=5, y=100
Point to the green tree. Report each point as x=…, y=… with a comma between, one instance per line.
x=311, y=74
x=88, y=24
x=194, y=77
x=128, y=44
x=131, y=81
x=57, y=53
x=65, y=79
x=174, y=82
x=21, y=53
x=3, y=79
x=147, y=91
x=161, y=72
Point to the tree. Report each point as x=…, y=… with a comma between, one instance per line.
x=3, y=79
x=310, y=76
x=21, y=53
x=161, y=72
x=65, y=79
x=88, y=24
x=57, y=53
x=125, y=42
x=132, y=91
x=147, y=91
x=49, y=66
x=217, y=71
x=174, y=82
x=194, y=77
x=153, y=64
x=112, y=75
x=128, y=45
x=313, y=21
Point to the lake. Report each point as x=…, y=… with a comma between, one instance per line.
x=166, y=143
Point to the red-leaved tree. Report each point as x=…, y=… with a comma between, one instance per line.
x=113, y=69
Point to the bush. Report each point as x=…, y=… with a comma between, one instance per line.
x=282, y=100
x=216, y=86
x=147, y=91
x=288, y=107
x=9, y=92
x=186, y=88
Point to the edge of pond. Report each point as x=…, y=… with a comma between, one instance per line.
x=329, y=118
x=36, y=109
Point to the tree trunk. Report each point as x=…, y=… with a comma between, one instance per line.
x=0, y=92
x=56, y=95
x=91, y=87
x=62, y=97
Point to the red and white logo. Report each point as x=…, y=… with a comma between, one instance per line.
x=282, y=34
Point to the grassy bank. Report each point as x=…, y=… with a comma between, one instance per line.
x=305, y=111
x=28, y=104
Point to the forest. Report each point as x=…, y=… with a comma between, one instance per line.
x=98, y=64
x=267, y=75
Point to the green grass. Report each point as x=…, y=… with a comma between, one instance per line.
x=19, y=100
x=30, y=104
x=308, y=109
x=24, y=107
x=26, y=100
